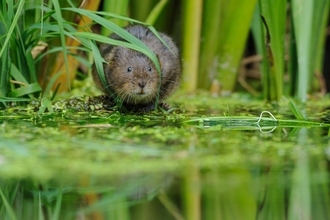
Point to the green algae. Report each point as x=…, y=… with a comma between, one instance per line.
x=73, y=141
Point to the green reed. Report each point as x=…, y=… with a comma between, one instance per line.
x=191, y=43
x=309, y=21
x=291, y=47
x=273, y=34
x=305, y=24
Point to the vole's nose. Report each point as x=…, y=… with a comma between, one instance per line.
x=142, y=84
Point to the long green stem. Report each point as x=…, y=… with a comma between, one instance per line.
x=235, y=25
x=209, y=42
x=308, y=25
x=191, y=42
x=274, y=20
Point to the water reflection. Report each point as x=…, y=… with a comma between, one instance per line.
x=89, y=167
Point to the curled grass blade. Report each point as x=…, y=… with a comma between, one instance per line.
x=250, y=123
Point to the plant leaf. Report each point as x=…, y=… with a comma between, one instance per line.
x=25, y=90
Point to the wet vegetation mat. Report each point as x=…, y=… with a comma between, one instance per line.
x=244, y=156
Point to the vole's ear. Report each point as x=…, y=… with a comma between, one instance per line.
x=107, y=51
x=109, y=56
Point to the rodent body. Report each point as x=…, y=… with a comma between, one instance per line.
x=132, y=76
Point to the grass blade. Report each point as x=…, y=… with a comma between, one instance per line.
x=13, y=25
x=58, y=204
x=5, y=73
x=294, y=109
x=25, y=90
x=274, y=13
x=119, y=31
x=210, y=43
x=17, y=75
x=59, y=19
x=9, y=209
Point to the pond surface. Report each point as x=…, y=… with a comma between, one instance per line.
x=104, y=165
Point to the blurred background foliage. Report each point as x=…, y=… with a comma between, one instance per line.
x=269, y=49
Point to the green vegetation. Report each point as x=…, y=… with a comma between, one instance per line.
x=56, y=27
x=40, y=54
x=229, y=157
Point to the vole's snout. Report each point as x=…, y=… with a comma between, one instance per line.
x=142, y=84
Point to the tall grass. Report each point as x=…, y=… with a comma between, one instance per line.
x=16, y=58
x=18, y=75
x=309, y=27
x=274, y=22
x=212, y=36
x=225, y=25
x=303, y=48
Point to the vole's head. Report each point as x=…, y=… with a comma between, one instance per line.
x=132, y=76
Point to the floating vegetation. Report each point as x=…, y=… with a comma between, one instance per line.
x=103, y=158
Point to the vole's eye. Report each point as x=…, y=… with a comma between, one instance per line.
x=149, y=69
x=129, y=69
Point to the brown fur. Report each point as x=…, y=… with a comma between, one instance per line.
x=140, y=85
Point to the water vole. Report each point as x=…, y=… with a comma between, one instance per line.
x=132, y=76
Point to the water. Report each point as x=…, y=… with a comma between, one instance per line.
x=97, y=165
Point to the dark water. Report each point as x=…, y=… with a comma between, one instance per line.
x=104, y=165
